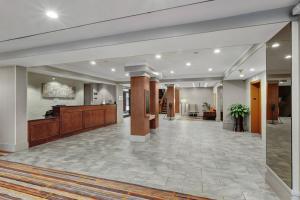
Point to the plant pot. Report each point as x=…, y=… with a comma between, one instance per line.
x=239, y=124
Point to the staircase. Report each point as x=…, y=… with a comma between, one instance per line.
x=162, y=102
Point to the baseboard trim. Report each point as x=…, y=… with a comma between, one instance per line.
x=139, y=138
x=281, y=189
x=13, y=147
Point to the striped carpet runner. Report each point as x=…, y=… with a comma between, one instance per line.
x=19, y=181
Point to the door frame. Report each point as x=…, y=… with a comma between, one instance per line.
x=253, y=84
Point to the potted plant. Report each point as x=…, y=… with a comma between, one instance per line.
x=238, y=112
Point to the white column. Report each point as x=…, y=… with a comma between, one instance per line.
x=13, y=108
x=296, y=109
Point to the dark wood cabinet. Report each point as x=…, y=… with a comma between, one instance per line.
x=94, y=118
x=110, y=116
x=70, y=120
x=41, y=131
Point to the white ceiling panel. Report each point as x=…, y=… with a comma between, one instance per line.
x=24, y=24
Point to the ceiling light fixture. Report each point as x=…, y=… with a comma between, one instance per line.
x=288, y=56
x=93, y=62
x=252, y=69
x=275, y=45
x=51, y=14
x=53, y=78
x=241, y=73
x=127, y=74
x=172, y=72
x=113, y=69
x=158, y=56
x=216, y=51
x=210, y=69
x=188, y=64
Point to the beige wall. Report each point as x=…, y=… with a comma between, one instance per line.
x=196, y=96
x=233, y=92
x=37, y=105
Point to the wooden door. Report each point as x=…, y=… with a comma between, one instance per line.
x=255, y=107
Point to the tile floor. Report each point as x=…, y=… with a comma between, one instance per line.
x=194, y=157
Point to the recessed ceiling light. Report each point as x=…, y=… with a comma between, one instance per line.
x=172, y=72
x=275, y=45
x=188, y=64
x=216, y=51
x=53, y=78
x=113, y=69
x=127, y=74
x=51, y=14
x=288, y=57
x=210, y=69
x=252, y=69
x=93, y=62
x=242, y=75
x=158, y=56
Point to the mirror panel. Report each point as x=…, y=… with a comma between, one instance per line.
x=279, y=104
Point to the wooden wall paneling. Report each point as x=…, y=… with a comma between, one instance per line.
x=139, y=121
x=171, y=100
x=110, y=116
x=177, y=100
x=272, y=98
x=154, y=103
x=71, y=121
x=40, y=131
x=93, y=118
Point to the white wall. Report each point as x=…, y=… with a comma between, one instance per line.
x=197, y=96
x=263, y=85
x=13, y=122
x=233, y=93
x=37, y=105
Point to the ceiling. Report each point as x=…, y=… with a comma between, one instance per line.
x=198, y=49
x=276, y=63
x=191, y=84
x=200, y=59
x=28, y=27
x=100, y=31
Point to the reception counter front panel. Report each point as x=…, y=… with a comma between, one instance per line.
x=69, y=120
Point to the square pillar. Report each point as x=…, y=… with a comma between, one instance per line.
x=13, y=108
x=154, y=104
x=171, y=101
x=140, y=125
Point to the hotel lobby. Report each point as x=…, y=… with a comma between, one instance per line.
x=190, y=100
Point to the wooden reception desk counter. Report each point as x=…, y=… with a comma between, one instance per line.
x=70, y=120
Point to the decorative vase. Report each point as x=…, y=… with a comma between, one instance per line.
x=239, y=124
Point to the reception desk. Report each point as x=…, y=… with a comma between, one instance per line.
x=70, y=120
